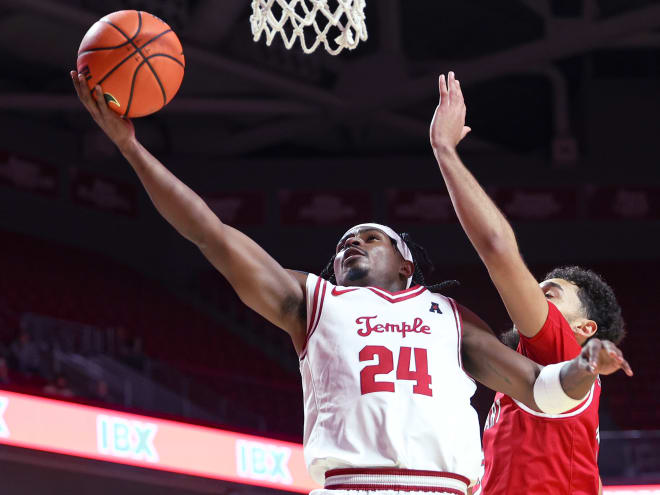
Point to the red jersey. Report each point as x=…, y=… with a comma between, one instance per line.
x=530, y=452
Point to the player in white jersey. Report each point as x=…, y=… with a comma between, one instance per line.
x=386, y=398
x=384, y=385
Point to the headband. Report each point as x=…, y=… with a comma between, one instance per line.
x=400, y=244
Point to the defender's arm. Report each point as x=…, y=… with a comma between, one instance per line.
x=260, y=282
x=485, y=225
x=499, y=368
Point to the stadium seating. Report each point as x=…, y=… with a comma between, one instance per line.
x=62, y=282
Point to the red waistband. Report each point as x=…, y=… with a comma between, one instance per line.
x=406, y=480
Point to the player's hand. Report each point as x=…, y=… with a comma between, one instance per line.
x=603, y=357
x=118, y=129
x=448, y=124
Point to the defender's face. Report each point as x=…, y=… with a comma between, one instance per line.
x=366, y=258
x=564, y=295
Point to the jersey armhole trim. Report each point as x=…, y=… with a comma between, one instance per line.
x=459, y=329
x=317, y=305
x=314, y=305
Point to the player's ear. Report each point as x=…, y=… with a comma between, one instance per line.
x=585, y=328
x=407, y=269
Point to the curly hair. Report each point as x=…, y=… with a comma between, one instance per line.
x=598, y=300
x=421, y=261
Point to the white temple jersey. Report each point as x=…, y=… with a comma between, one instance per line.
x=383, y=382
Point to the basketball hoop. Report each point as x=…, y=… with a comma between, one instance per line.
x=305, y=18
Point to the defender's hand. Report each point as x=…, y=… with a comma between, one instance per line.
x=603, y=357
x=448, y=125
x=118, y=129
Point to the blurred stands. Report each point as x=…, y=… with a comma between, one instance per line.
x=95, y=306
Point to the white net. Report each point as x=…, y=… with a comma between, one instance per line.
x=311, y=23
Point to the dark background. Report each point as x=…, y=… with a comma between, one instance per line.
x=562, y=96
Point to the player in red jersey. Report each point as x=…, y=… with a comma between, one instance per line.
x=527, y=451
x=353, y=440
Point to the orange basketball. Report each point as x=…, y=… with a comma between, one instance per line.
x=136, y=58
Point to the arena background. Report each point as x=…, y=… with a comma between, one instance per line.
x=103, y=304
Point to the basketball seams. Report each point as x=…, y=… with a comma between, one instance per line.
x=167, y=56
x=139, y=50
x=145, y=61
x=139, y=27
x=128, y=40
x=115, y=68
x=130, y=97
x=100, y=48
x=153, y=71
x=159, y=35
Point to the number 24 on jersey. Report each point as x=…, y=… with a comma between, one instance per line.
x=385, y=365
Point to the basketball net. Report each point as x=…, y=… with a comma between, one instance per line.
x=302, y=16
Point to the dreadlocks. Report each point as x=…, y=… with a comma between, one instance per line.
x=422, y=263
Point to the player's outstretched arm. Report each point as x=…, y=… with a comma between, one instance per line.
x=485, y=225
x=499, y=368
x=258, y=279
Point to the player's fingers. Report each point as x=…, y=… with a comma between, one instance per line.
x=610, y=347
x=465, y=132
x=459, y=91
x=618, y=358
x=444, y=94
x=616, y=354
x=83, y=93
x=593, y=350
x=102, y=105
x=76, y=83
x=626, y=368
x=86, y=95
x=613, y=351
x=98, y=97
x=79, y=85
x=451, y=84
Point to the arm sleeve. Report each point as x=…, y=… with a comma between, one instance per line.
x=554, y=343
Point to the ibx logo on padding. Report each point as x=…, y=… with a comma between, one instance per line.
x=124, y=438
x=4, y=429
x=263, y=461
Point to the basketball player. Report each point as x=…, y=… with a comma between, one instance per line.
x=386, y=397
x=527, y=451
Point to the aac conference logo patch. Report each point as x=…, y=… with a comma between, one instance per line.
x=4, y=429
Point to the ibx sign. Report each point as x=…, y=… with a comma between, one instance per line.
x=4, y=429
x=124, y=438
x=263, y=461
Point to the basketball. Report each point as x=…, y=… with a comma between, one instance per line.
x=136, y=58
